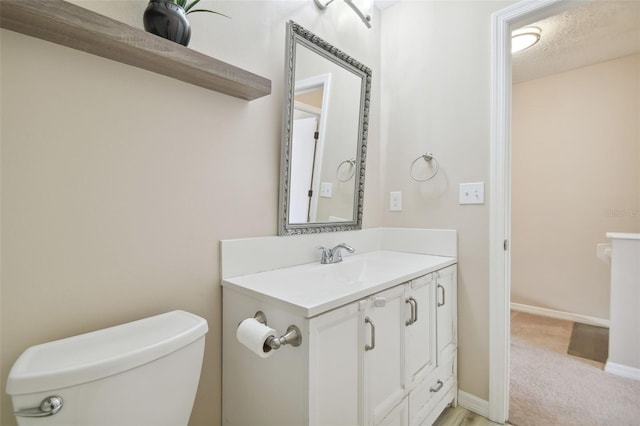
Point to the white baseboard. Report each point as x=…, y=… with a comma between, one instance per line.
x=622, y=370
x=473, y=403
x=569, y=316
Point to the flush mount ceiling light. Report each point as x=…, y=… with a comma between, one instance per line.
x=524, y=38
x=361, y=7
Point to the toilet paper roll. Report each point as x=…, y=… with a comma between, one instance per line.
x=253, y=334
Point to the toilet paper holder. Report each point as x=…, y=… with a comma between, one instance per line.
x=292, y=337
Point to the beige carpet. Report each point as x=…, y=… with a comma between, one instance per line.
x=549, y=387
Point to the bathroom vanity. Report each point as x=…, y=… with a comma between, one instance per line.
x=379, y=342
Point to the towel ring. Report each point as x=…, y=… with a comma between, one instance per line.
x=352, y=162
x=427, y=157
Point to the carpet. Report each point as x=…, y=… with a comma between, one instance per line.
x=549, y=388
x=590, y=342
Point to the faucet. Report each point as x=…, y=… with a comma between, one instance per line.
x=334, y=255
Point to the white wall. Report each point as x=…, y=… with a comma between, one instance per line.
x=435, y=98
x=575, y=176
x=118, y=184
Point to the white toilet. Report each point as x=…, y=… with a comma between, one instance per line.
x=144, y=372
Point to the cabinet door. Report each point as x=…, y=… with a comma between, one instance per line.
x=399, y=416
x=334, y=367
x=446, y=295
x=383, y=353
x=420, y=328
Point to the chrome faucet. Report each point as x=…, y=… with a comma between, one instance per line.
x=334, y=255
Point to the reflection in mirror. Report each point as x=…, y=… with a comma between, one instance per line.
x=324, y=137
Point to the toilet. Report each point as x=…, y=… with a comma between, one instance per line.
x=140, y=373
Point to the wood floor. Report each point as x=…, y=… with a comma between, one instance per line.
x=459, y=416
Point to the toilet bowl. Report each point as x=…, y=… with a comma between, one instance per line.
x=141, y=373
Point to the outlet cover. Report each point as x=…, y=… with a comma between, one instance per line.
x=472, y=193
x=326, y=189
x=395, y=201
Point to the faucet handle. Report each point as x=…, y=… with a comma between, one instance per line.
x=326, y=254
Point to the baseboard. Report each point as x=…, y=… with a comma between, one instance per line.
x=622, y=370
x=473, y=403
x=569, y=316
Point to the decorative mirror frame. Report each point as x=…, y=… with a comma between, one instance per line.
x=298, y=34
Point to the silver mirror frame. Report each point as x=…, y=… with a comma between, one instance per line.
x=298, y=34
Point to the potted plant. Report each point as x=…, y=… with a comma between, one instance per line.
x=168, y=19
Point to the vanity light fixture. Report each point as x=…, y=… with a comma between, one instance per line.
x=524, y=38
x=363, y=8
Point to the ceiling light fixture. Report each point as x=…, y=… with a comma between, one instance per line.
x=524, y=38
x=363, y=8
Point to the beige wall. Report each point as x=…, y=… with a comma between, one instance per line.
x=118, y=184
x=575, y=176
x=435, y=98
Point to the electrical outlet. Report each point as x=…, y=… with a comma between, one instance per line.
x=395, y=201
x=326, y=189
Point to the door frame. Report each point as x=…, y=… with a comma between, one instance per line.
x=322, y=81
x=502, y=23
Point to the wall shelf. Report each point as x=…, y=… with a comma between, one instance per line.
x=64, y=23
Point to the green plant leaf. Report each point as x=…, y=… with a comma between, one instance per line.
x=190, y=6
x=208, y=11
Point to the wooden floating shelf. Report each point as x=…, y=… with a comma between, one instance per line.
x=73, y=26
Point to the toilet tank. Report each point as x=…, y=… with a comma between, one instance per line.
x=144, y=372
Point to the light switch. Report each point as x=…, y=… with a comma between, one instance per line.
x=472, y=193
x=395, y=201
x=326, y=188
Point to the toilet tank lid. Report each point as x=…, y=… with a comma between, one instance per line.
x=92, y=356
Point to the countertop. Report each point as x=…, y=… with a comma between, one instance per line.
x=312, y=289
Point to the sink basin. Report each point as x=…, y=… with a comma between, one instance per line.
x=351, y=270
x=314, y=288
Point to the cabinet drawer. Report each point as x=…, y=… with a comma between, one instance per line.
x=422, y=281
x=426, y=395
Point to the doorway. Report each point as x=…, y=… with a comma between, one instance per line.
x=503, y=22
x=309, y=122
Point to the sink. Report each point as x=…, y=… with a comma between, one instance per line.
x=349, y=271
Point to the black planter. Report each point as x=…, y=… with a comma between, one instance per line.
x=166, y=19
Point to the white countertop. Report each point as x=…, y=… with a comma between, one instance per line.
x=313, y=288
x=623, y=235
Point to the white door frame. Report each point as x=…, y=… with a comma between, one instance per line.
x=502, y=23
x=322, y=81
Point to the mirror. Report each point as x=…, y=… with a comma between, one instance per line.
x=324, y=137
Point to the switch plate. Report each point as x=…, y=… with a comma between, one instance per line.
x=472, y=193
x=395, y=201
x=326, y=189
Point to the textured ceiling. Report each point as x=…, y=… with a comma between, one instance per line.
x=593, y=32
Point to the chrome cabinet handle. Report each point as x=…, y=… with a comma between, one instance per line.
x=414, y=311
x=443, y=296
x=415, y=303
x=372, y=346
x=48, y=407
x=437, y=387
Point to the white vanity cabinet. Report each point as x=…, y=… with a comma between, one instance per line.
x=413, y=376
x=438, y=387
x=377, y=360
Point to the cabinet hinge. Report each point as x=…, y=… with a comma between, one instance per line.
x=506, y=245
